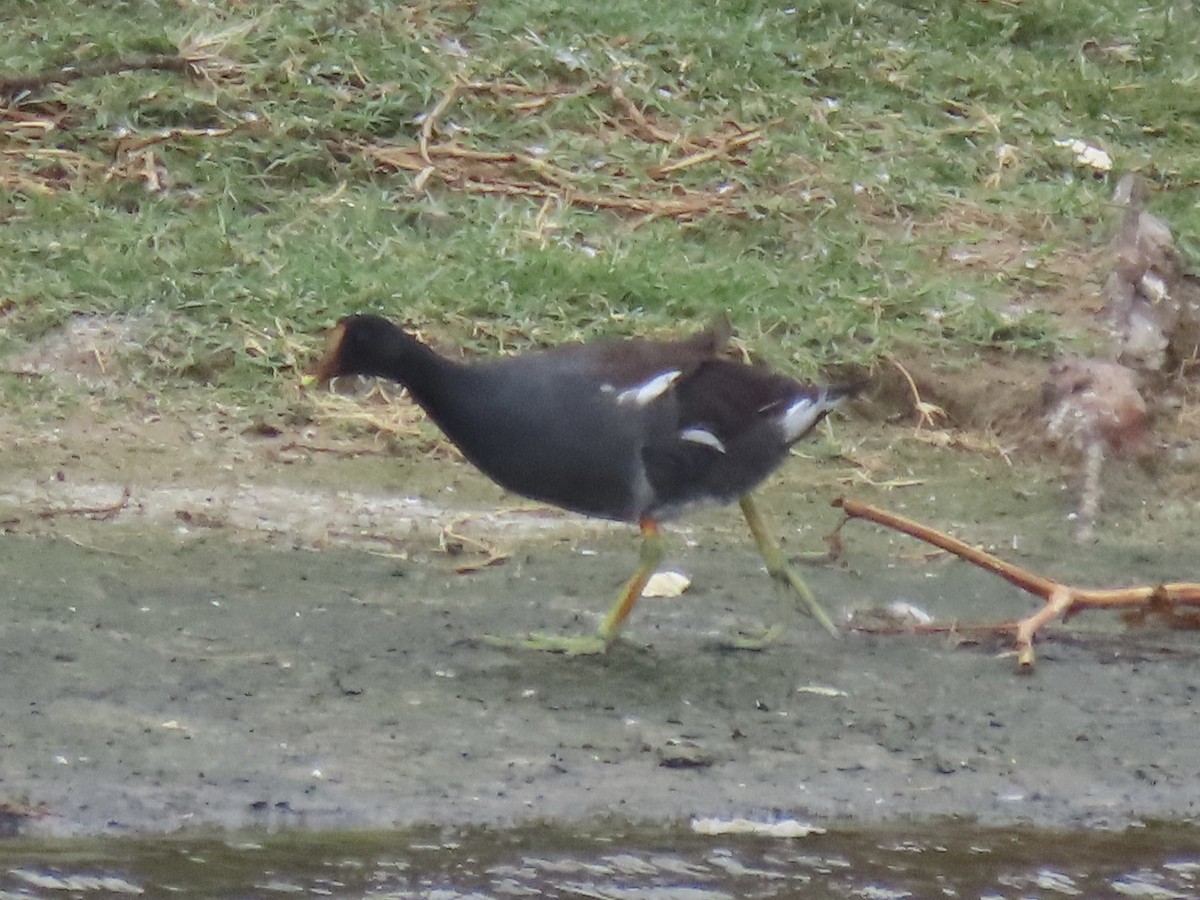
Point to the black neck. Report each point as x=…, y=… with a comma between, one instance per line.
x=390, y=352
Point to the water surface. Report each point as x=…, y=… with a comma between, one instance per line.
x=619, y=861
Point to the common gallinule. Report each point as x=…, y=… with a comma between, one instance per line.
x=633, y=430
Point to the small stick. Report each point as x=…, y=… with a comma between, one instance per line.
x=1057, y=606
x=390, y=540
x=99, y=512
x=1025, y=580
x=1062, y=600
x=94, y=549
x=343, y=452
x=689, y=206
x=19, y=84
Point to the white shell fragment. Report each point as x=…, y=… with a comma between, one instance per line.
x=903, y=611
x=820, y=690
x=781, y=828
x=1087, y=155
x=666, y=584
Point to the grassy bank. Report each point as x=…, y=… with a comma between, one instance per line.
x=847, y=177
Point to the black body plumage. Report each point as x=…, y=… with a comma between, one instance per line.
x=621, y=429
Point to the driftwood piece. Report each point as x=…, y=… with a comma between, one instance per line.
x=1061, y=600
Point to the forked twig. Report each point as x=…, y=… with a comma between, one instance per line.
x=1062, y=600
x=927, y=413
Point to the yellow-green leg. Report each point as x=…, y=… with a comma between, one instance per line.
x=610, y=628
x=778, y=566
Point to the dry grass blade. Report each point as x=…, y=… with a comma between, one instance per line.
x=29, y=166
x=431, y=118
x=724, y=147
x=646, y=128
x=42, y=170
x=454, y=543
x=508, y=174
x=514, y=173
x=688, y=206
x=18, y=122
x=376, y=412
x=204, y=54
x=132, y=142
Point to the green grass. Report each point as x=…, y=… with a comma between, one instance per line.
x=880, y=124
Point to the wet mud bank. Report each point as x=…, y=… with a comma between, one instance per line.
x=156, y=680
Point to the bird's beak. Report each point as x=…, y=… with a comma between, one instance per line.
x=329, y=364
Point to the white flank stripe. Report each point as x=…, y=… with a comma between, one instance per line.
x=803, y=415
x=641, y=394
x=702, y=436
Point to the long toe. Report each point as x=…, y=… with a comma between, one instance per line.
x=790, y=577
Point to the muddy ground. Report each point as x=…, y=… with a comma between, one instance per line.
x=212, y=622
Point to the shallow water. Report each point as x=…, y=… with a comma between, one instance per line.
x=618, y=861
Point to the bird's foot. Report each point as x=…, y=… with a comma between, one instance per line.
x=579, y=645
x=789, y=577
x=755, y=641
